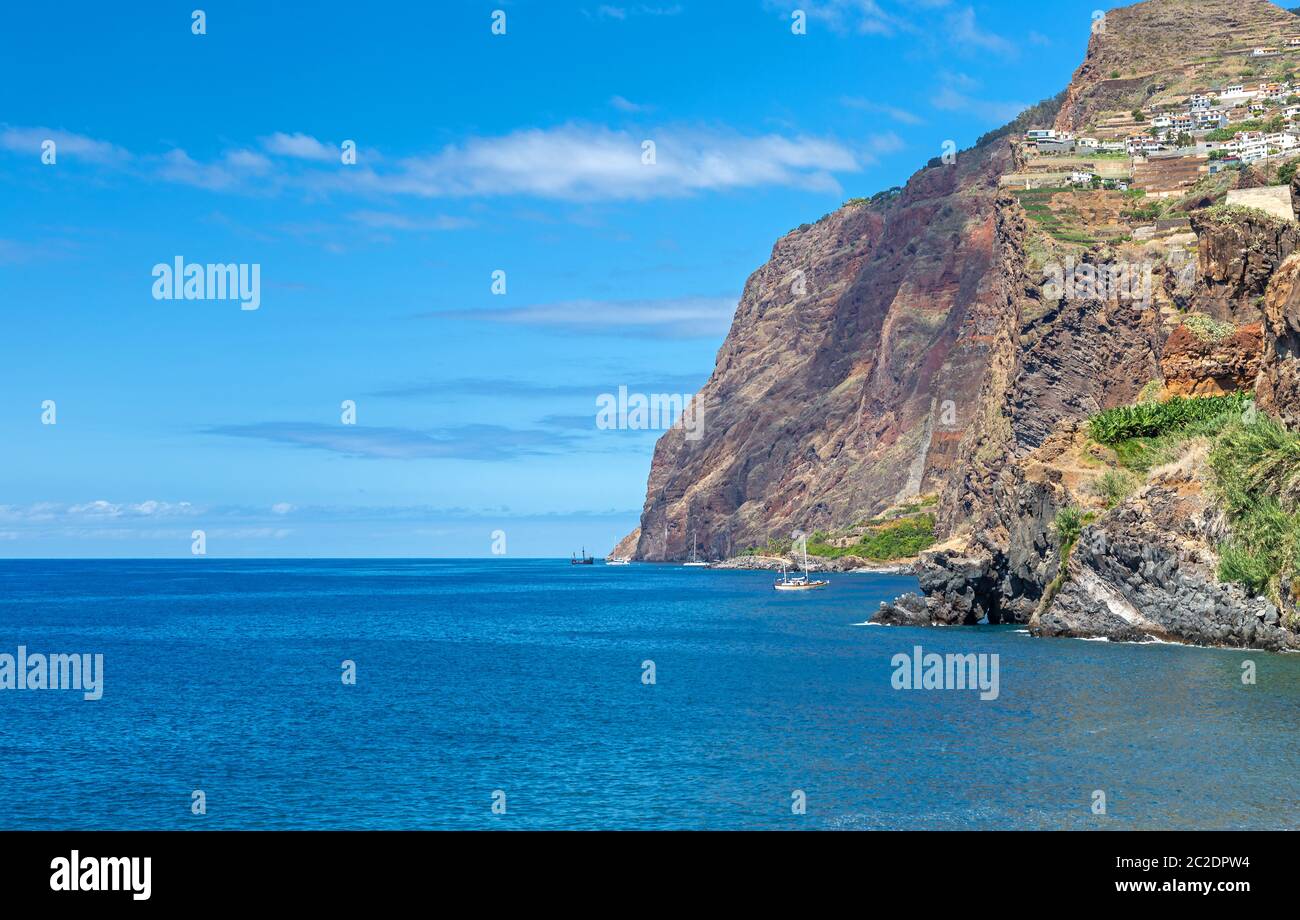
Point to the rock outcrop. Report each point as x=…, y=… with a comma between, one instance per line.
x=1239, y=251
x=1207, y=365
x=1147, y=571
x=1278, y=389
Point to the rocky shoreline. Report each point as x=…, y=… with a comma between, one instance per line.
x=845, y=564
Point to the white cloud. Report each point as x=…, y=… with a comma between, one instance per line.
x=385, y=220
x=300, y=146
x=584, y=163
x=965, y=31
x=281, y=508
x=950, y=100
x=97, y=510
x=906, y=116
x=623, y=13
x=884, y=144
x=679, y=317
x=78, y=146
x=627, y=105
x=574, y=162
x=865, y=17
x=233, y=171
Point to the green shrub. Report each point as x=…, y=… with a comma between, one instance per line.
x=1255, y=466
x=1207, y=328
x=1151, y=392
x=904, y=538
x=909, y=537
x=1257, y=457
x=1149, y=420
x=1243, y=568
x=1114, y=486
x=1068, y=526
x=1142, y=455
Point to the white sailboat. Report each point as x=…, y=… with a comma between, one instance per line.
x=695, y=563
x=799, y=582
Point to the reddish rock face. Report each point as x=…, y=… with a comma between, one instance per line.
x=1278, y=389
x=902, y=347
x=849, y=376
x=1193, y=366
x=1238, y=255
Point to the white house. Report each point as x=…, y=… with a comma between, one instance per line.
x=1210, y=120
x=1254, y=146
x=1141, y=144
x=1264, y=52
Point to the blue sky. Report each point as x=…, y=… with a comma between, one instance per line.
x=476, y=153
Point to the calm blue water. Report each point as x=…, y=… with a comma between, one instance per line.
x=526, y=677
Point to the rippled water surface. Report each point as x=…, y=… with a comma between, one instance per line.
x=526, y=677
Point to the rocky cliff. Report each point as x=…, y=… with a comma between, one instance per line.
x=843, y=384
x=921, y=343
x=1279, y=380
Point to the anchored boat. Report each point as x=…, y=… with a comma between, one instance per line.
x=799, y=582
x=695, y=563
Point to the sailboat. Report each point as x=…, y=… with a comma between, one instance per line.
x=799, y=582
x=583, y=560
x=695, y=563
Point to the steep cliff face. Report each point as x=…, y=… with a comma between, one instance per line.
x=1278, y=389
x=913, y=345
x=1238, y=252
x=1060, y=360
x=842, y=385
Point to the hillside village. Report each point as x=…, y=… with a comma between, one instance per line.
x=1183, y=149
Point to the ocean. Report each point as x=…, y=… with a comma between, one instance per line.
x=513, y=694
